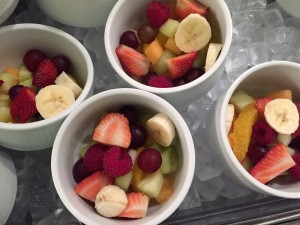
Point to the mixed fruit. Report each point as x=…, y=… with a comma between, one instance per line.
x=264, y=134
x=172, y=48
x=130, y=161
x=39, y=89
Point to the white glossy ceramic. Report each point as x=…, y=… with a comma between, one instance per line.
x=292, y=7
x=78, y=127
x=78, y=13
x=8, y=186
x=15, y=40
x=127, y=14
x=6, y=8
x=256, y=81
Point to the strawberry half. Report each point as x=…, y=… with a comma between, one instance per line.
x=260, y=105
x=113, y=129
x=275, y=162
x=45, y=74
x=297, y=132
x=136, y=207
x=133, y=62
x=23, y=107
x=90, y=186
x=179, y=65
x=186, y=7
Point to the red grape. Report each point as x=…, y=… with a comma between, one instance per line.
x=256, y=152
x=14, y=90
x=129, y=39
x=192, y=74
x=149, y=160
x=178, y=82
x=138, y=136
x=80, y=171
x=32, y=59
x=148, y=77
x=295, y=170
x=61, y=63
x=130, y=113
x=146, y=33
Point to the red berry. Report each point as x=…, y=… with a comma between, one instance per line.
x=129, y=39
x=256, y=152
x=138, y=136
x=192, y=74
x=295, y=170
x=148, y=77
x=179, y=81
x=14, y=90
x=262, y=133
x=149, y=160
x=79, y=171
x=157, y=13
x=160, y=82
x=62, y=63
x=117, y=162
x=93, y=158
x=295, y=143
x=45, y=74
x=32, y=59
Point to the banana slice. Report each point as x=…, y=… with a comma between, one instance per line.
x=161, y=129
x=68, y=81
x=53, y=99
x=212, y=55
x=229, y=117
x=111, y=201
x=193, y=33
x=282, y=115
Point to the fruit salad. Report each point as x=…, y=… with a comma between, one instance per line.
x=39, y=89
x=172, y=48
x=129, y=164
x=264, y=134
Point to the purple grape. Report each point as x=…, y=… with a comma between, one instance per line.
x=80, y=171
x=178, y=82
x=295, y=143
x=138, y=136
x=130, y=113
x=192, y=74
x=256, y=152
x=149, y=160
x=32, y=59
x=146, y=33
x=62, y=63
x=14, y=90
x=148, y=77
x=129, y=39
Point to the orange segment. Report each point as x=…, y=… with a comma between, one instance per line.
x=167, y=189
x=281, y=94
x=154, y=51
x=242, y=130
x=171, y=45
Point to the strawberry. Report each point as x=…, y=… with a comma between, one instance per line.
x=275, y=162
x=90, y=186
x=260, y=105
x=136, y=207
x=45, y=74
x=133, y=62
x=297, y=132
x=113, y=129
x=179, y=65
x=186, y=7
x=22, y=107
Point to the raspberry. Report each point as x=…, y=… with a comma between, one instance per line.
x=160, y=82
x=295, y=170
x=256, y=152
x=262, y=133
x=45, y=74
x=80, y=171
x=117, y=162
x=157, y=13
x=93, y=158
x=148, y=77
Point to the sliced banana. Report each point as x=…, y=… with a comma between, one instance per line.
x=53, y=99
x=282, y=115
x=193, y=33
x=68, y=81
x=111, y=201
x=229, y=117
x=212, y=55
x=161, y=129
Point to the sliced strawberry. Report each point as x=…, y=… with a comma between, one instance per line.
x=45, y=74
x=297, y=132
x=22, y=107
x=186, y=7
x=113, y=129
x=260, y=105
x=275, y=162
x=136, y=207
x=179, y=65
x=90, y=186
x=133, y=62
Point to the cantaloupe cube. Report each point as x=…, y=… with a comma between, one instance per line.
x=171, y=45
x=12, y=71
x=154, y=51
x=162, y=39
x=281, y=94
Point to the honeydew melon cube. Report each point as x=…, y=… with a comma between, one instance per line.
x=169, y=28
x=152, y=184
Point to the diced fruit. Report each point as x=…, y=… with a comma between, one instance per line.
x=152, y=184
x=247, y=164
x=113, y=129
x=154, y=51
x=4, y=100
x=213, y=52
x=240, y=99
x=242, y=130
x=68, y=81
x=192, y=74
x=133, y=62
x=161, y=65
x=260, y=105
x=262, y=133
x=160, y=82
x=129, y=38
x=169, y=160
x=157, y=13
x=275, y=162
x=28, y=83
x=62, y=63
x=5, y=115
x=284, y=139
x=133, y=154
x=93, y=158
x=136, y=207
x=162, y=39
x=9, y=80
x=146, y=33
x=295, y=143
x=32, y=59
x=167, y=190
x=179, y=65
x=171, y=45
x=138, y=136
x=124, y=181
x=200, y=59
x=130, y=112
x=90, y=186
x=186, y=7
x=149, y=160
x=286, y=94
x=14, y=90
x=229, y=117
x=84, y=149
x=79, y=171
x=256, y=152
x=295, y=170
x=169, y=28
x=290, y=150
x=45, y=74
x=24, y=74
x=12, y=70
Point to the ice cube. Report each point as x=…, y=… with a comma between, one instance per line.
x=192, y=199
x=210, y=189
x=233, y=190
x=234, y=5
x=256, y=4
x=258, y=53
x=286, y=53
x=272, y=18
x=237, y=59
x=232, y=76
x=245, y=29
x=246, y=16
x=276, y=37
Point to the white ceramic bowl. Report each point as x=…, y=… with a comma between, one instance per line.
x=78, y=13
x=256, y=81
x=15, y=40
x=81, y=123
x=127, y=14
x=6, y=8
x=8, y=186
